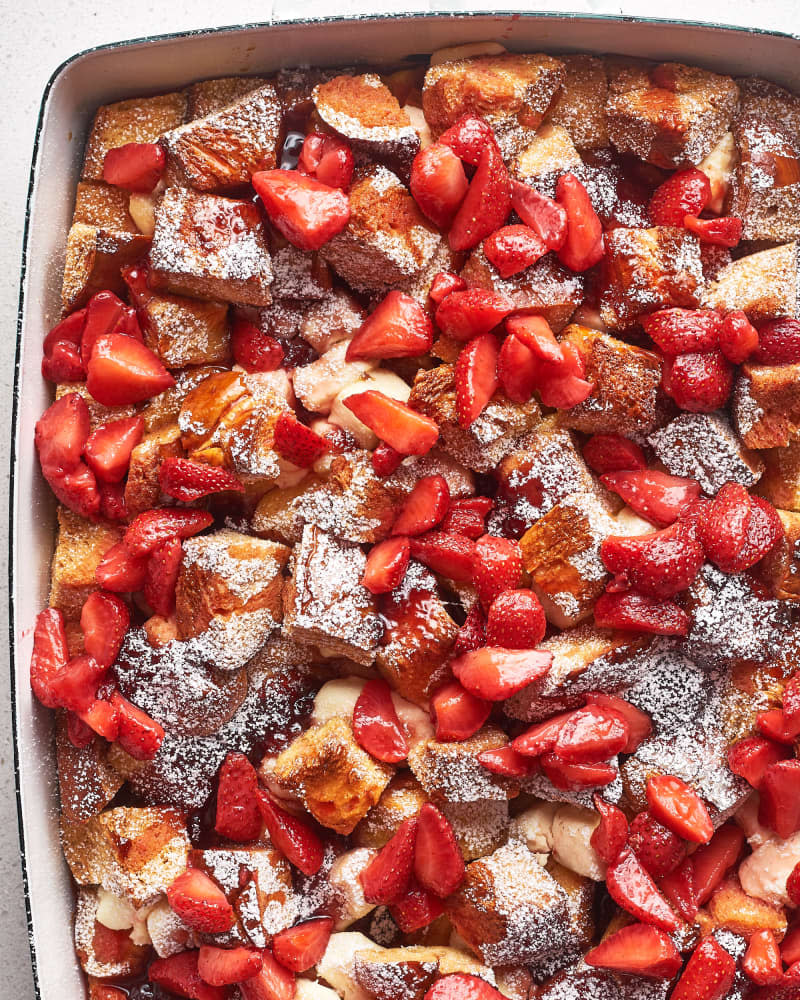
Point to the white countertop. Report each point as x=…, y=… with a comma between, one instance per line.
x=37, y=37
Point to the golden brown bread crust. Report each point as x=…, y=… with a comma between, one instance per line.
x=765, y=285
x=184, y=331
x=550, y=151
x=80, y=547
x=780, y=568
x=98, y=414
x=765, y=189
x=207, y=96
x=86, y=781
x=93, y=260
x=402, y=799
x=580, y=105
x=103, y=206
x=780, y=483
x=451, y=772
x=766, y=405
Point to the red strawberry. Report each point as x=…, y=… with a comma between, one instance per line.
x=438, y=865
x=486, y=204
x=300, y=947
x=545, y=217
x=424, y=507
x=387, y=877
x=188, y=481
x=77, y=490
x=467, y=516
x=631, y=887
x=779, y=808
x=778, y=342
x=638, y=722
x=385, y=460
x=254, y=350
x=328, y=158
x=498, y=566
x=75, y=685
x=238, y=815
x=793, y=885
x=273, y=982
x=200, y=902
x=445, y=282
x=294, y=837
x=566, y=391
x=457, y=714
x=775, y=726
x=417, y=909
x=711, y=861
x=180, y=975
x=682, y=331
x=376, y=726
x=102, y=718
x=104, y=622
x=50, y=654
x=686, y=192
x=723, y=531
x=590, y=735
x=637, y=949
x=507, y=762
x=438, y=183
x=535, y=333
x=764, y=531
x=699, y=383
x=476, y=378
x=750, y=758
x=738, y=338
x=472, y=633
x=297, y=443
x=139, y=735
x=762, y=961
x=583, y=246
x=60, y=436
x=302, y=209
x=448, y=554
x=517, y=370
x=708, y=975
x=678, y=888
x=541, y=738
x=494, y=673
x=572, y=777
x=105, y=314
x=161, y=576
x=468, y=138
x=516, y=620
x=136, y=166
x=654, y=495
x=122, y=371
x=676, y=805
x=468, y=314
x=121, y=572
x=668, y=561
x=513, y=249
x=462, y=986
x=721, y=232
x=148, y=530
x=394, y=422
x=610, y=835
x=63, y=363
x=112, y=501
x=386, y=565
x=659, y=849
x=635, y=612
x=224, y=966
x=108, y=449
x=398, y=328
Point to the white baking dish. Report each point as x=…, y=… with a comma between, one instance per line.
x=159, y=64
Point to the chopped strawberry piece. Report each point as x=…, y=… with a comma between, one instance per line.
x=273, y=982
x=200, y=903
x=139, y=735
x=112, y=501
x=238, y=815
x=68, y=331
x=61, y=433
x=472, y=633
x=376, y=726
x=63, y=363
x=254, y=350
x=486, y=204
x=723, y=531
x=638, y=722
x=498, y=567
x=148, y=530
x=300, y=947
x=424, y=507
x=655, y=496
x=541, y=738
x=224, y=966
x=682, y=331
x=443, y=284
x=738, y=338
x=658, y=848
x=180, y=975
x=513, y=249
x=517, y=370
x=136, y=166
x=764, y=531
x=328, y=158
x=590, y=735
x=762, y=961
x=793, y=885
x=516, y=620
x=494, y=673
x=778, y=342
x=78, y=733
x=75, y=685
x=388, y=876
x=679, y=808
x=104, y=621
x=584, y=245
x=102, y=718
x=468, y=138
x=471, y=313
x=565, y=392
x=102, y=991
x=721, y=232
x=638, y=949
x=476, y=378
x=386, y=565
x=790, y=946
x=708, y=975
x=699, y=383
x=50, y=654
x=394, y=422
x=457, y=714
x=161, y=576
x=438, y=183
x=448, y=554
x=462, y=986
x=77, y=490
x=294, y=837
x=662, y=564
x=631, y=887
x=188, y=481
x=750, y=758
x=571, y=777
x=108, y=449
x=635, y=612
x=106, y=313
x=535, y=333
x=438, y=865
x=711, y=862
x=122, y=371
x=678, y=888
x=609, y=836
x=545, y=217
x=779, y=808
x=417, y=909
x=507, y=762
x=121, y=572
x=385, y=460
x=398, y=328
x=775, y=726
x=686, y=192
x=467, y=516
x=302, y=209
x=297, y=443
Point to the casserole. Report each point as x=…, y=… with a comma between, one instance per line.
x=114, y=72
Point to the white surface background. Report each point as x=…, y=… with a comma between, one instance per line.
x=36, y=37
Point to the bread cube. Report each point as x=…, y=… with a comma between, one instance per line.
x=732, y=909
x=765, y=285
x=208, y=96
x=211, y=248
x=764, y=99
x=336, y=780
x=672, y=119
x=569, y=946
x=626, y=398
x=93, y=260
x=451, y=772
x=561, y=552
x=780, y=483
x=349, y=903
x=402, y=798
x=393, y=974
x=277, y=516
x=780, y=568
x=98, y=414
x=140, y=119
x=334, y=318
x=103, y=952
x=300, y=276
x=550, y=151
x=168, y=933
x=103, y=206
x=646, y=270
x=581, y=981
x=163, y=409
x=479, y=827
x=86, y=781
x=80, y=547
x=765, y=193
x=766, y=405
x=580, y=105
x=704, y=446
x=184, y=331
x=143, y=487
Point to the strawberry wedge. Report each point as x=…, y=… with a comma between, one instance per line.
x=494, y=673
x=394, y=422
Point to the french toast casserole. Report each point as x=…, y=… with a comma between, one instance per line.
x=422, y=622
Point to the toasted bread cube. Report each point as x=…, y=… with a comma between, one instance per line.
x=350, y=904
x=184, y=331
x=387, y=239
x=581, y=980
x=86, y=781
x=402, y=798
x=393, y=974
x=163, y=409
x=334, y=318
x=479, y=827
x=80, y=547
x=649, y=269
x=780, y=568
x=509, y=909
x=732, y=909
x=545, y=289
x=211, y=248
x=451, y=772
x=765, y=193
x=132, y=852
x=318, y=383
x=324, y=601
x=208, y=96
x=93, y=260
x=675, y=118
x=168, y=933
x=550, y=151
x=765, y=285
x=512, y=92
x=277, y=516
x=766, y=405
x=98, y=414
x=337, y=781
x=570, y=946
x=141, y=119
x=103, y=952
x=580, y=105
x=562, y=554
x=300, y=276
x=142, y=487
x=765, y=99
x=104, y=207
x=626, y=398
x=780, y=483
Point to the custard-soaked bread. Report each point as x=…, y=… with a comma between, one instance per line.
x=80, y=547
x=550, y=151
x=406, y=973
x=765, y=193
x=570, y=946
x=581, y=982
x=163, y=409
x=86, y=781
x=451, y=772
x=184, y=331
x=211, y=248
x=207, y=96
x=780, y=483
x=402, y=799
x=104, y=207
x=580, y=105
x=766, y=405
x=766, y=100
x=673, y=116
x=141, y=119
x=102, y=951
x=94, y=256
x=327, y=770
x=732, y=909
x=626, y=398
x=222, y=150
x=142, y=487
x=277, y=515
x=765, y=285
x=780, y=568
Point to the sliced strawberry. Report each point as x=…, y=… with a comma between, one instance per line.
x=723, y=531
x=50, y=654
x=407, y=431
x=112, y=501
x=67, y=331
x=708, y=975
x=273, y=982
x=793, y=885
x=584, y=245
x=654, y=495
x=541, y=737
x=445, y=282
x=376, y=726
x=77, y=490
x=682, y=331
x=122, y=371
x=108, y=449
x=635, y=612
x=61, y=433
x=294, y=837
x=457, y=714
x=762, y=961
x=609, y=836
x=590, y=735
x=438, y=865
x=678, y=888
x=385, y=460
x=63, y=363
x=139, y=735
x=545, y=217
x=631, y=887
x=775, y=726
x=148, y=530
x=468, y=138
x=779, y=807
x=302, y=209
x=711, y=861
x=513, y=249
x=686, y=192
x=424, y=507
x=75, y=685
x=638, y=949
x=180, y=975
x=238, y=815
x=386, y=565
x=467, y=516
x=78, y=733
x=516, y=620
x=738, y=338
x=104, y=622
x=121, y=572
x=498, y=567
x=486, y=204
x=659, y=849
x=200, y=902
x=398, y=328
x=764, y=532
x=300, y=947
x=517, y=370
x=472, y=633
x=471, y=313
x=668, y=563
x=387, y=877
x=102, y=718
x=224, y=966
x=699, y=383
x=328, y=158
x=161, y=576
x=448, y=554
x=564, y=392
x=254, y=350
x=476, y=378
x=494, y=673
x=777, y=342
x=104, y=314
x=136, y=166
x=679, y=808
x=535, y=333
x=188, y=481
x=438, y=183
x=462, y=986
x=790, y=946
x=720, y=232
x=297, y=443
x=571, y=777
x=507, y=762
x=750, y=758
x=417, y=909
x=638, y=722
